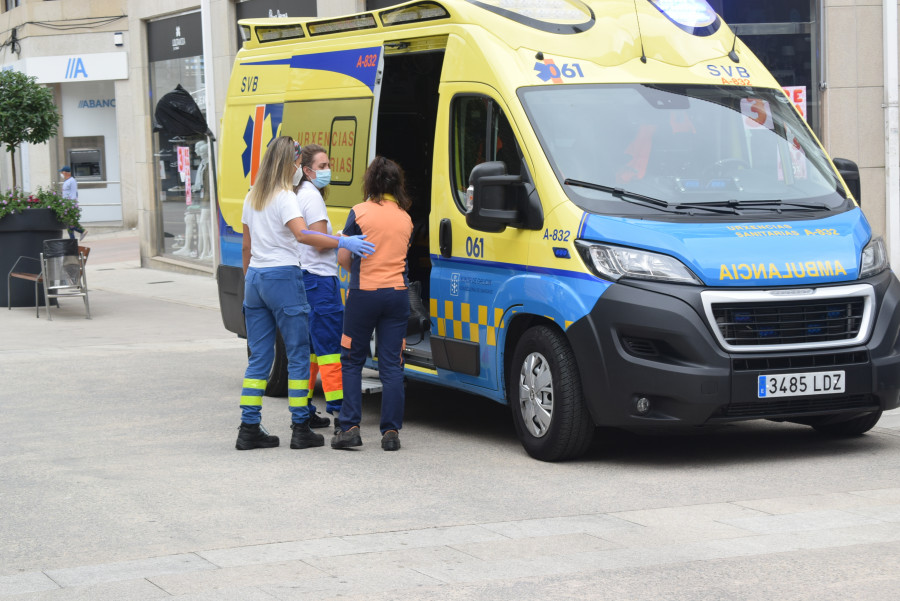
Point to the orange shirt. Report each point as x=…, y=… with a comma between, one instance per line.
x=389, y=228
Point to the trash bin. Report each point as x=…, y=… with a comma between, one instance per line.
x=63, y=267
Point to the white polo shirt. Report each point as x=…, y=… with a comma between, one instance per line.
x=312, y=207
x=271, y=243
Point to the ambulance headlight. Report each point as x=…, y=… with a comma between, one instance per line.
x=615, y=262
x=874, y=258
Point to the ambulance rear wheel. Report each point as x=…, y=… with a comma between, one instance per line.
x=851, y=427
x=545, y=397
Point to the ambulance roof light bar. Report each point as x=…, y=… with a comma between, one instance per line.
x=423, y=11
x=354, y=23
x=696, y=17
x=278, y=32
x=554, y=16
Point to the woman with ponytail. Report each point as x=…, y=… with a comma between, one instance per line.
x=377, y=300
x=274, y=295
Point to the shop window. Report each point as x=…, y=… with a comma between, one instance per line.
x=764, y=11
x=378, y=4
x=784, y=35
x=181, y=163
x=481, y=132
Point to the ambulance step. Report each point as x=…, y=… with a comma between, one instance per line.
x=371, y=384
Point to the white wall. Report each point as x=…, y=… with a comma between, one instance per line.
x=86, y=112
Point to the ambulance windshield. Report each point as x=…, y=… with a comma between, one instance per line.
x=682, y=144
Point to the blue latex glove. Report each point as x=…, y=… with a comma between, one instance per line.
x=357, y=245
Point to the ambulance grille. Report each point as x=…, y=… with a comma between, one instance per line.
x=799, y=406
x=790, y=323
x=804, y=361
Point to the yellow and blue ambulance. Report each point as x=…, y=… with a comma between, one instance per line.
x=620, y=218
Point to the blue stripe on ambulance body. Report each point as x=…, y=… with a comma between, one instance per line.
x=748, y=253
x=359, y=63
x=475, y=300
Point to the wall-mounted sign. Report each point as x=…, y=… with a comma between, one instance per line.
x=175, y=37
x=257, y=9
x=97, y=103
x=75, y=67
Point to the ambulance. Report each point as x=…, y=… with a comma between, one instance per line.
x=620, y=218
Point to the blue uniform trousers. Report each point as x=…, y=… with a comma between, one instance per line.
x=275, y=297
x=326, y=317
x=386, y=311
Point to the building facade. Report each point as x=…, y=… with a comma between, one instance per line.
x=832, y=56
x=80, y=51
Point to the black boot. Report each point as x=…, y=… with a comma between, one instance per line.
x=303, y=437
x=317, y=421
x=254, y=436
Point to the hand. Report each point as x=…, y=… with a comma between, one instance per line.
x=357, y=245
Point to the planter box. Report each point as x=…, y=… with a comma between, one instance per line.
x=22, y=235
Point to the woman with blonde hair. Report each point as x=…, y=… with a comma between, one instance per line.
x=274, y=296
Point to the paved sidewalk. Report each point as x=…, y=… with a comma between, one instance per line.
x=114, y=265
x=121, y=482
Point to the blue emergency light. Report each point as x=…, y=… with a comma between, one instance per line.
x=696, y=17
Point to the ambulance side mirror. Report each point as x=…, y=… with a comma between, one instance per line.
x=494, y=198
x=850, y=172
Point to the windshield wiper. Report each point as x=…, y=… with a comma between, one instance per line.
x=618, y=193
x=753, y=204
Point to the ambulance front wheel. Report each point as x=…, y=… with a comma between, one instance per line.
x=545, y=397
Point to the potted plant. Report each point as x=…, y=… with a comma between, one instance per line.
x=26, y=220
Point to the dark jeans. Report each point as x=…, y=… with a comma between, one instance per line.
x=384, y=311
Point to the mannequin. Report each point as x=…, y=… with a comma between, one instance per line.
x=190, y=221
x=196, y=216
x=204, y=245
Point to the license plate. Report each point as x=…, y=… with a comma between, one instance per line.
x=821, y=382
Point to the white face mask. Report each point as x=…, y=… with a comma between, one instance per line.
x=298, y=175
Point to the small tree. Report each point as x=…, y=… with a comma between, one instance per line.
x=27, y=113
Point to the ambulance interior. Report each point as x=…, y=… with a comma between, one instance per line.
x=407, y=116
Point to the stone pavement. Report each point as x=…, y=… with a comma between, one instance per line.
x=121, y=482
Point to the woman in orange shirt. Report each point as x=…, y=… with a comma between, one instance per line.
x=377, y=300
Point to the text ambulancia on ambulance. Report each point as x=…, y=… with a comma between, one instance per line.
x=620, y=218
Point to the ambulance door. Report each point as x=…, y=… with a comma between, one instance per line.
x=470, y=266
x=332, y=101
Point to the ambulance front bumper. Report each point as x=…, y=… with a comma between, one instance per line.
x=648, y=358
